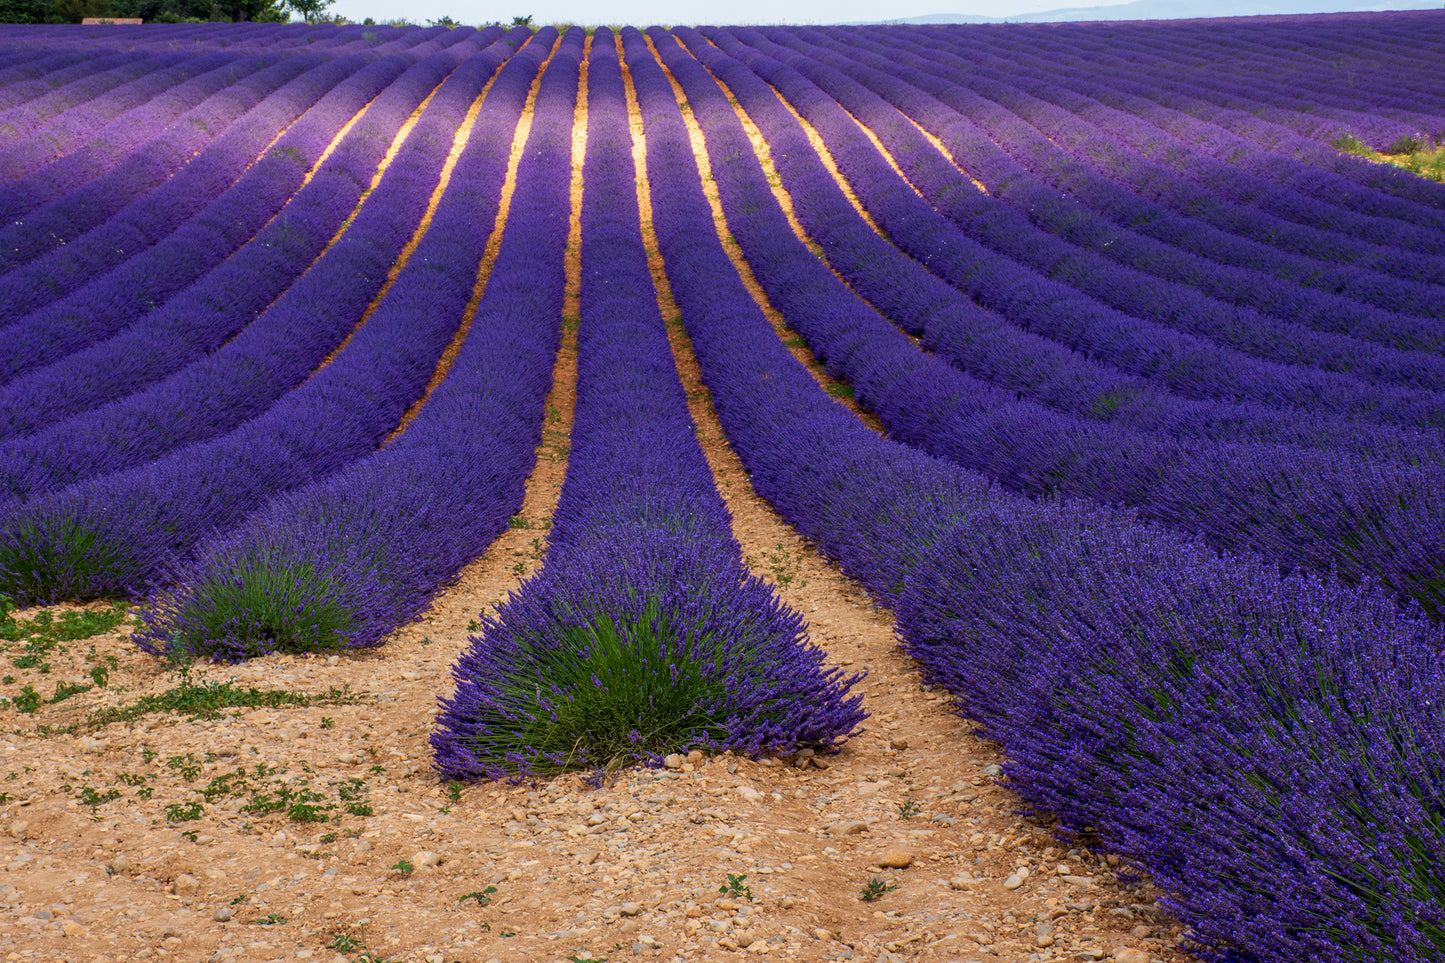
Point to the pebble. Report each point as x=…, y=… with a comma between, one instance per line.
x=223, y=914
x=895, y=859
x=823, y=934
x=630, y=909
x=673, y=761
x=120, y=865
x=846, y=827
x=1130, y=955
x=899, y=744
x=426, y=859
x=186, y=885
x=993, y=770
x=1092, y=953
x=749, y=793
x=1014, y=881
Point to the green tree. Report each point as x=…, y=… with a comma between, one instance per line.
x=26, y=11
x=74, y=11
x=309, y=9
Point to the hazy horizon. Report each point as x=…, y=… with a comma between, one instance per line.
x=647, y=12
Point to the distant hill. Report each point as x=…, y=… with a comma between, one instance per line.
x=1177, y=9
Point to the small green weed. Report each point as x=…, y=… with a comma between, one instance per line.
x=206, y=701
x=874, y=890
x=188, y=767
x=734, y=887
x=346, y=943
x=908, y=808
x=95, y=799
x=27, y=700
x=483, y=897
x=270, y=919
x=404, y=867
x=180, y=812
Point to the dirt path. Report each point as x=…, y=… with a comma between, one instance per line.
x=319, y=832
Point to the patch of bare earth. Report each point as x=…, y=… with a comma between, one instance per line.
x=321, y=832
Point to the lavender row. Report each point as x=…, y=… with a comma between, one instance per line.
x=133, y=141
x=1308, y=102
x=1112, y=612
x=1250, y=173
x=1177, y=361
x=343, y=562
x=1218, y=100
x=211, y=311
x=1173, y=173
x=1166, y=302
x=84, y=78
x=194, y=289
x=21, y=81
x=980, y=342
x=1300, y=163
x=1293, y=506
x=176, y=86
x=1083, y=205
x=120, y=533
x=289, y=339
x=643, y=634
x=157, y=190
x=1316, y=107
x=143, y=140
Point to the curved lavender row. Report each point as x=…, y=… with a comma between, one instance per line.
x=121, y=533
x=20, y=79
x=277, y=350
x=1313, y=107
x=1179, y=362
x=148, y=138
x=1113, y=281
x=1189, y=179
x=201, y=178
x=243, y=213
x=33, y=93
x=913, y=529
x=102, y=93
x=1081, y=209
x=1305, y=165
x=1331, y=241
x=1310, y=104
x=175, y=87
x=121, y=140
x=194, y=166
x=363, y=552
x=982, y=343
x=1291, y=505
x=1311, y=94
x=219, y=305
x=640, y=555
x=1220, y=100
x=1239, y=169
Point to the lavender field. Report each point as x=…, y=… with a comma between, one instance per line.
x=1109, y=358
